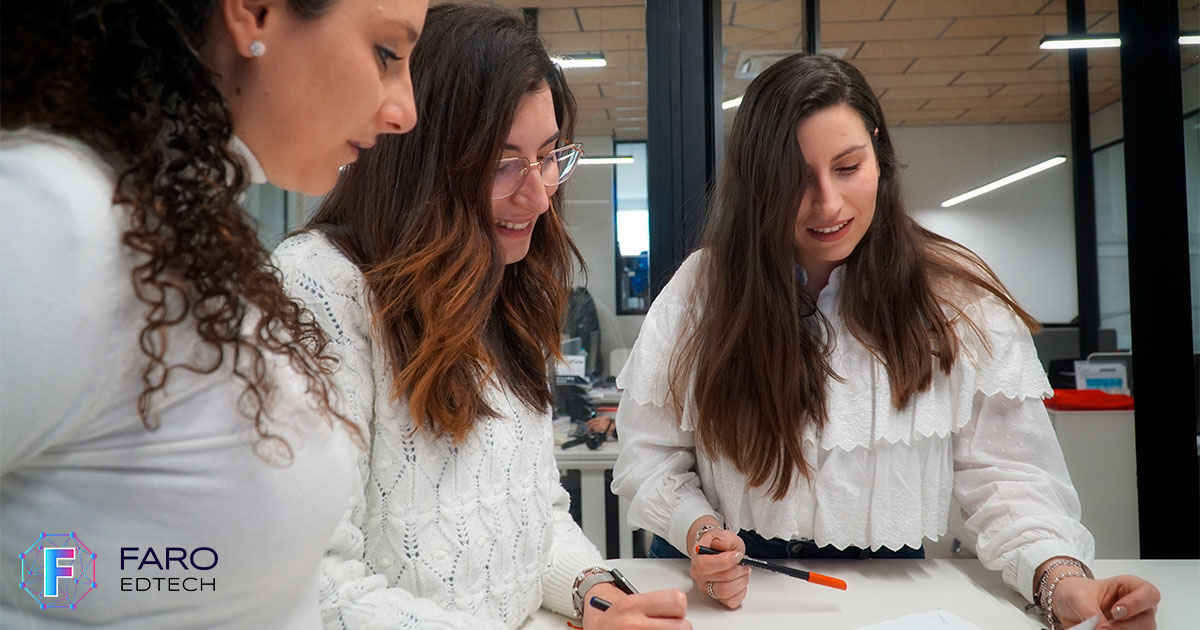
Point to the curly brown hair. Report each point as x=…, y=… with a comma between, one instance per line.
x=126, y=78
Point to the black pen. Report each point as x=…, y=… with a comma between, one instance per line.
x=622, y=582
x=600, y=604
x=808, y=576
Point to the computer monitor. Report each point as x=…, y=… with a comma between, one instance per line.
x=1124, y=358
x=1058, y=341
x=574, y=345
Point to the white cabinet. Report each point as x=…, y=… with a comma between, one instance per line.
x=1099, y=449
x=1100, y=454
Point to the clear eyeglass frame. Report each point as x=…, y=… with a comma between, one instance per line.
x=512, y=172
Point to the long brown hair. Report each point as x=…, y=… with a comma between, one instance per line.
x=757, y=359
x=125, y=78
x=414, y=213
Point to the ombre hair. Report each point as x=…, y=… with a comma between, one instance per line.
x=414, y=213
x=757, y=357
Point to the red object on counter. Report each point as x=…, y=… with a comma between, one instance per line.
x=1088, y=400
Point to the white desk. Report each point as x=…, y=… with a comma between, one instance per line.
x=591, y=466
x=880, y=590
x=604, y=395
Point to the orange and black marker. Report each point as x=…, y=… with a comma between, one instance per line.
x=808, y=576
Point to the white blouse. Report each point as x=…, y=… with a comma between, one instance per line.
x=435, y=535
x=75, y=456
x=883, y=476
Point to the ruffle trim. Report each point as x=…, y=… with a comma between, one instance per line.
x=1002, y=363
x=860, y=408
x=645, y=375
x=842, y=542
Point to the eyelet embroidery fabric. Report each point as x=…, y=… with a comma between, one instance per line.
x=884, y=477
x=480, y=529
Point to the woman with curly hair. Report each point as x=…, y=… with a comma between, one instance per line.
x=439, y=266
x=161, y=393
x=824, y=374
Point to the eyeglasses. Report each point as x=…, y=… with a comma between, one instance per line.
x=556, y=167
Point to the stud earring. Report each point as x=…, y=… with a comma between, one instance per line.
x=257, y=48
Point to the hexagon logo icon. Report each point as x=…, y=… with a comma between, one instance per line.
x=58, y=571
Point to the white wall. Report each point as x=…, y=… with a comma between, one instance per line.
x=1025, y=231
x=589, y=216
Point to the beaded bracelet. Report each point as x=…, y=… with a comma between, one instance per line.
x=1048, y=609
x=704, y=529
x=1065, y=560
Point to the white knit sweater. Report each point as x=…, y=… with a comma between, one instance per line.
x=435, y=535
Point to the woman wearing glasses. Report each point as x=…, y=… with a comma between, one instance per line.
x=439, y=266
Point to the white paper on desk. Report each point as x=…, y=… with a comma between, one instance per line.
x=929, y=620
x=1089, y=624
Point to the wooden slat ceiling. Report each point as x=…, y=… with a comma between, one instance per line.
x=932, y=62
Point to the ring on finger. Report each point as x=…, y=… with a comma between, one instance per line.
x=711, y=593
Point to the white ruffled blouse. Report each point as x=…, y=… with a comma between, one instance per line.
x=883, y=476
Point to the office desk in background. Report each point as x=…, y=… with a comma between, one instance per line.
x=591, y=466
x=881, y=590
x=606, y=396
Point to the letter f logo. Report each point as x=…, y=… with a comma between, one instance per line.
x=58, y=563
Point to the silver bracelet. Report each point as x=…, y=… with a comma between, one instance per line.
x=704, y=529
x=586, y=579
x=1063, y=560
x=1048, y=609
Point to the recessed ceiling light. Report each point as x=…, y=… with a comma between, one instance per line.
x=608, y=159
x=581, y=60
x=1108, y=40
x=1067, y=43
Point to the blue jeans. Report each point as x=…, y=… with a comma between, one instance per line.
x=778, y=548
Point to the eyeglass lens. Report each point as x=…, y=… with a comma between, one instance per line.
x=556, y=167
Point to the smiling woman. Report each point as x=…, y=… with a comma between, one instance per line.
x=519, y=196
x=822, y=376
x=440, y=265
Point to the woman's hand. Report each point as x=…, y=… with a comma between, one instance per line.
x=1126, y=602
x=656, y=610
x=720, y=576
x=602, y=424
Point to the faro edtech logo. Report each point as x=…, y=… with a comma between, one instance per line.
x=58, y=570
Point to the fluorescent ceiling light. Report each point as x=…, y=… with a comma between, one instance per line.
x=731, y=103
x=1066, y=43
x=1108, y=40
x=1004, y=181
x=582, y=60
x=613, y=159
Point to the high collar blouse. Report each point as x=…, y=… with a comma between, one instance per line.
x=883, y=477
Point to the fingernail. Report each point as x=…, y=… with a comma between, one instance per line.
x=737, y=556
x=1119, y=612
